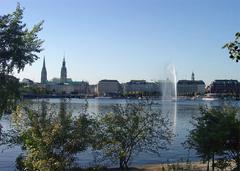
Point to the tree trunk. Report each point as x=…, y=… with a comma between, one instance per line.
x=208, y=165
x=121, y=164
x=126, y=165
x=237, y=163
x=213, y=165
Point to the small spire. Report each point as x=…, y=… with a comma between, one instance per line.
x=63, y=75
x=193, y=76
x=44, y=61
x=44, y=73
x=64, y=59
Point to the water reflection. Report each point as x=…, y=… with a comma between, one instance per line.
x=174, y=116
x=169, y=108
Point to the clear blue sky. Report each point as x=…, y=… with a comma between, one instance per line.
x=133, y=39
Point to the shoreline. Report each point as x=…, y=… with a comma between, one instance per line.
x=191, y=166
x=198, y=166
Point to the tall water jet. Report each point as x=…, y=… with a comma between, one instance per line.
x=169, y=86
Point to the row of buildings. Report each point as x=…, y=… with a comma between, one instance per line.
x=133, y=88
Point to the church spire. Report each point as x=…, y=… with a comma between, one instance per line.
x=44, y=73
x=64, y=63
x=63, y=77
x=193, y=76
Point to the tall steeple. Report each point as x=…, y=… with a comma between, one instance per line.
x=44, y=73
x=193, y=76
x=63, y=77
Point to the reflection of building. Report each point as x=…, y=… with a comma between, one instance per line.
x=141, y=88
x=190, y=87
x=224, y=87
x=109, y=88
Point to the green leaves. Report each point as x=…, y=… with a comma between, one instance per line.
x=234, y=48
x=18, y=47
x=130, y=129
x=9, y=86
x=51, y=138
x=216, y=132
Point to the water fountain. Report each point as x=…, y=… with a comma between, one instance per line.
x=169, y=95
x=169, y=86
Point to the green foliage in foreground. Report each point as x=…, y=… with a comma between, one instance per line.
x=9, y=93
x=216, y=132
x=50, y=138
x=18, y=47
x=130, y=129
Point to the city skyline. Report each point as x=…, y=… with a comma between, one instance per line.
x=127, y=40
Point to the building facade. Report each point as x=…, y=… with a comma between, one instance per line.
x=80, y=87
x=109, y=88
x=92, y=90
x=190, y=87
x=141, y=88
x=75, y=88
x=27, y=81
x=224, y=88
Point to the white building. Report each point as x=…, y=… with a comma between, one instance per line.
x=190, y=87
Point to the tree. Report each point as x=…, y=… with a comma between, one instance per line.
x=51, y=139
x=130, y=129
x=232, y=140
x=214, y=133
x=9, y=92
x=18, y=47
x=234, y=48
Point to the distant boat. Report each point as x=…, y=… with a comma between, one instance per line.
x=103, y=97
x=209, y=98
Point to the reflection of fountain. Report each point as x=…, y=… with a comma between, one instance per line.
x=175, y=117
x=169, y=108
x=169, y=87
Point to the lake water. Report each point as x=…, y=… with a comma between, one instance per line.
x=180, y=112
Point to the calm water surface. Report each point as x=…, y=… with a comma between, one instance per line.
x=180, y=112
